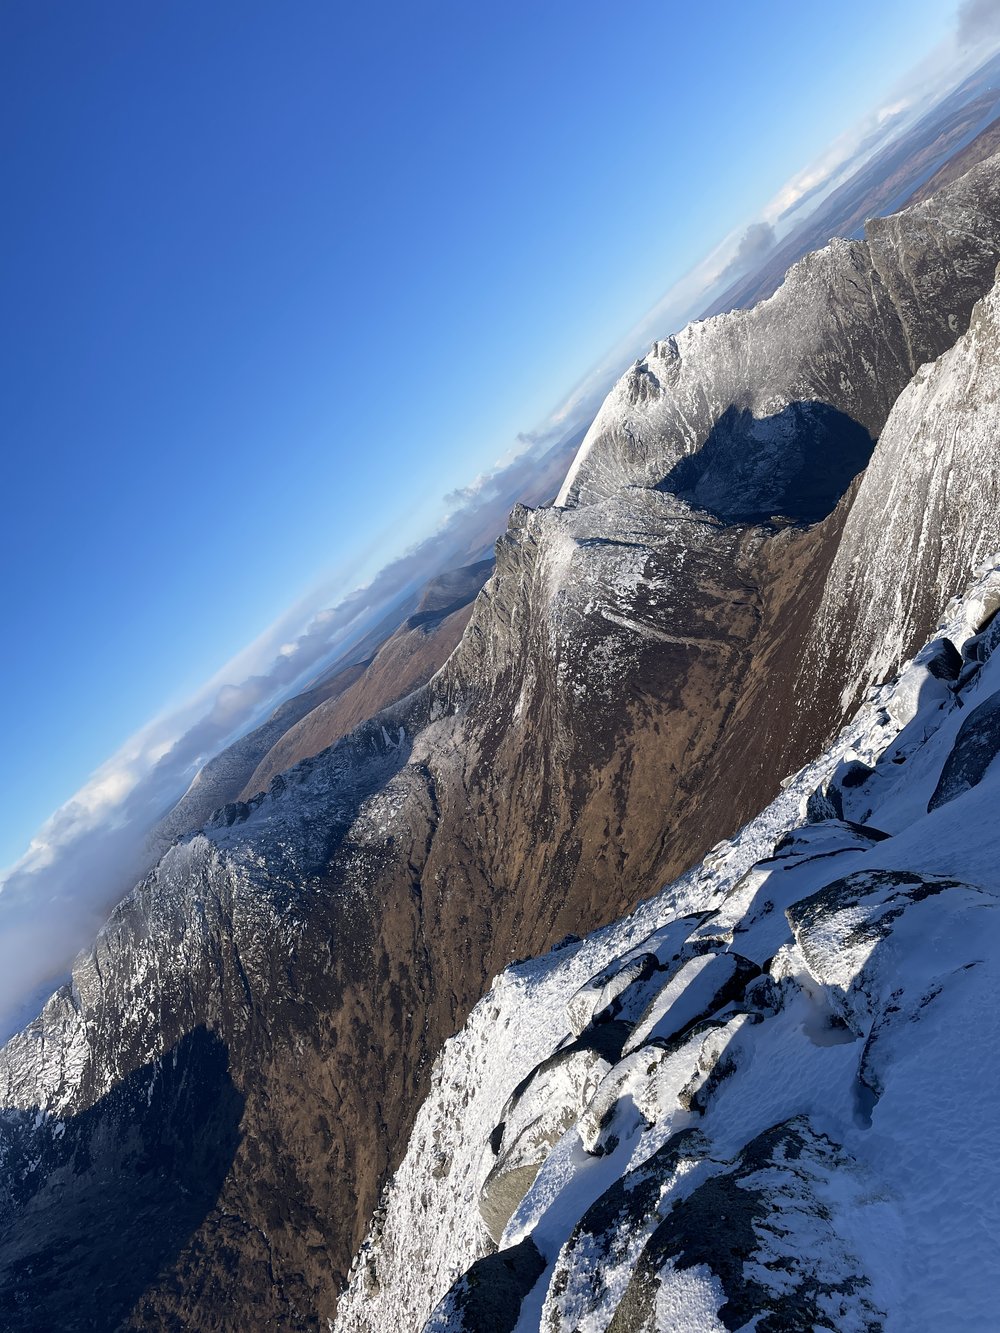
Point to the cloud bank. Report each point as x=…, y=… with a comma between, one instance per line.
x=978, y=22
x=754, y=245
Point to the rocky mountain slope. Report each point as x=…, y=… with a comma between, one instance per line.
x=243, y=1052
x=955, y=134
x=940, y=441
x=765, y=411
x=389, y=663
x=407, y=660
x=221, y=779
x=760, y=1100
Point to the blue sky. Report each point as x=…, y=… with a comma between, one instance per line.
x=278, y=277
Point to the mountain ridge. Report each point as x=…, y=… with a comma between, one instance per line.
x=599, y=1160
x=309, y=951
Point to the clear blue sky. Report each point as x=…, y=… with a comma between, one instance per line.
x=276, y=276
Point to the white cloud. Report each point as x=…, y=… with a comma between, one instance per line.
x=757, y=240
x=978, y=23
x=893, y=109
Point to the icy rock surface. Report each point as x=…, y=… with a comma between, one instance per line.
x=634, y=679
x=734, y=412
x=906, y=546
x=809, y=1141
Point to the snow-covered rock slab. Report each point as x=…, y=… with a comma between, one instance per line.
x=795, y=1129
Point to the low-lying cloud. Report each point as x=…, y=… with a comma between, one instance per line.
x=753, y=247
x=978, y=22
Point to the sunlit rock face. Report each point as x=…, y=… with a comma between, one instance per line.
x=757, y=412
x=760, y=1100
x=925, y=512
x=645, y=664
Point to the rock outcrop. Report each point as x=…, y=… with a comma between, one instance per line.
x=633, y=682
x=763, y=411
x=810, y=1144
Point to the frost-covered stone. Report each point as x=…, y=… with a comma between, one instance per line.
x=976, y=746
x=815, y=1147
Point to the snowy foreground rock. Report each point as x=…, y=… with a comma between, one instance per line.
x=765, y=1100
x=765, y=520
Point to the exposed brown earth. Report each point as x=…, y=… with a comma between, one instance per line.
x=631, y=685
x=405, y=661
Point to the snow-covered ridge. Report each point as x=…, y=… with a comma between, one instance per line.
x=715, y=413
x=269, y=1001
x=793, y=1038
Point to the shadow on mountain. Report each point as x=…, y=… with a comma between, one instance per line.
x=795, y=464
x=93, y=1208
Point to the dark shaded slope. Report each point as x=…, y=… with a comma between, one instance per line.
x=626, y=692
x=97, y=1204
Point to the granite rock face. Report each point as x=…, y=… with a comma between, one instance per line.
x=747, y=409
x=635, y=678
x=810, y=1145
x=909, y=541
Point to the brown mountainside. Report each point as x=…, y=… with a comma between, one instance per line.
x=633, y=682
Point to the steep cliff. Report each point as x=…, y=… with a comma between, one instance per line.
x=761, y=1099
x=906, y=544
x=635, y=678
x=757, y=412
